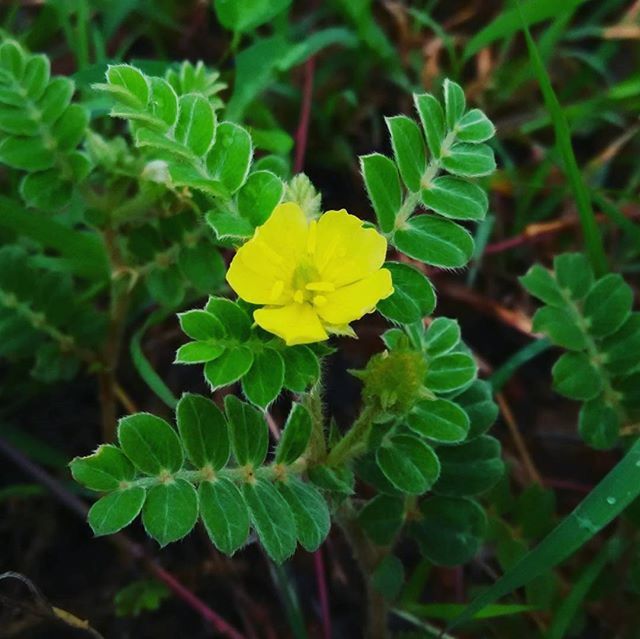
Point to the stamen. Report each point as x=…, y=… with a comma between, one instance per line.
x=298, y=297
x=325, y=287
x=320, y=300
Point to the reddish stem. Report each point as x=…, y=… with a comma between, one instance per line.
x=302, y=132
x=78, y=506
x=321, y=581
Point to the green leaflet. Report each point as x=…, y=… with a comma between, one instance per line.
x=170, y=511
x=413, y=296
x=150, y=443
x=295, y=436
x=248, y=432
x=263, y=381
x=450, y=531
x=310, y=512
x=383, y=187
x=104, y=469
x=272, y=519
x=409, y=464
x=116, y=510
x=435, y=241
x=224, y=515
x=203, y=430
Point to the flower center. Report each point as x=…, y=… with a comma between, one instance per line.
x=308, y=286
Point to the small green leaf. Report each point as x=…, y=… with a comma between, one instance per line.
x=469, y=160
x=196, y=125
x=301, y=368
x=224, y=514
x=334, y=480
x=150, y=443
x=455, y=198
x=450, y=531
x=383, y=187
x=449, y=372
x=435, y=241
x=258, y=197
x=413, y=297
x=439, y=420
x=228, y=367
x=229, y=226
x=55, y=99
x=599, y=424
x=230, y=157
x=442, y=335
x=263, y=381
x=202, y=266
x=203, y=430
x=454, y=101
x=470, y=468
x=248, y=432
x=166, y=286
x=475, y=127
x=164, y=101
x=116, y=510
x=388, y=577
x=170, y=511
x=541, y=283
x=608, y=305
x=310, y=512
x=408, y=150
x=432, y=119
x=622, y=347
x=104, y=470
x=26, y=154
x=382, y=517
x=295, y=436
x=560, y=326
x=198, y=353
x=409, y=464
x=200, y=325
x=574, y=376
x=70, y=129
x=573, y=273
x=272, y=519
x=235, y=321
x=245, y=15
x=477, y=402
x=133, y=85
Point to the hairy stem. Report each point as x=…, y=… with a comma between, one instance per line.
x=351, y=444
x=368, y=557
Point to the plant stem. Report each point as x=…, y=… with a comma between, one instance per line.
x=349, y=446
x=368, y=557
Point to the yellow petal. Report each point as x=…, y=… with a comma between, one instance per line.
x=262, y=269
x=345, y=252
x=294, y=323
x=351, y=302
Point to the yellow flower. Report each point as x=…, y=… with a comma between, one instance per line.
x=312, y=277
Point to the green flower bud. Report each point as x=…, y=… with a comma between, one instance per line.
x=301, y=191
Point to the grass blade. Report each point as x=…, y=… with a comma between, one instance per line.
x=579, y=590
x=503, y=374
x=592, y=238
x=603, y=504
x=147, y=372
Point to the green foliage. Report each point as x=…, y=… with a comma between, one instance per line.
x=184, y=474
x=42, y=317
x=455, y=139
x=231, y=350
x=40, y=129
x=593, y=320
x=140, y=596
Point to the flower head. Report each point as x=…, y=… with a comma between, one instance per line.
x=311, y=277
